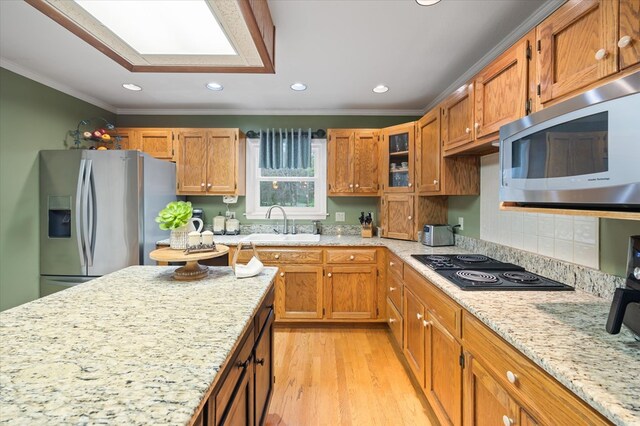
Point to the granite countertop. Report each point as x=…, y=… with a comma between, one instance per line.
x=562, y=332
x=132, y=347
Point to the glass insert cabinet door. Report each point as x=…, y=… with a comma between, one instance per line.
x=399, y=145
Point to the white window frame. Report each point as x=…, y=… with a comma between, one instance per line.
x=318, y=212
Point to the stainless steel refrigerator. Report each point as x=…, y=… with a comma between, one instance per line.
x=97, y=211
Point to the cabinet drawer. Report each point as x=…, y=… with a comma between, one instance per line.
x=395, y=322
x=446, y=311
x=235, y=367
x=550, y=402
x=394, y=291
x=263, y=312
x=287, y=255
x=396, y=265
x=351, y=256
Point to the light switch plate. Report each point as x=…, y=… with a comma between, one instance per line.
x=340, y=217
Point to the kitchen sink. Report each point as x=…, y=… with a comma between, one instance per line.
x=280, y=238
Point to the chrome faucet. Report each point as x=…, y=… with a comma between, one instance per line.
x=284, y=215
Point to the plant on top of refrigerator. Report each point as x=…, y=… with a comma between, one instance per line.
x=175, y=215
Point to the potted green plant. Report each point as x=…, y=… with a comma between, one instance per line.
x=177, y=217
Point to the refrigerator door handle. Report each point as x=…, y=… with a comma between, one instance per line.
x=92, y=215
x=79, y=211
x=85, y=213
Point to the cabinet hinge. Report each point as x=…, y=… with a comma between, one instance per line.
x=329, y=187
x=538, y=90
x=173, y=136
x=529, y=52
x=173, y=152
x=177, y=185
x=527, y=107
x=323, y=312
x=323, y=272
x=461, y=360
x=377, y=312
x=377, y=272
x=539, y=45
x=235, y=186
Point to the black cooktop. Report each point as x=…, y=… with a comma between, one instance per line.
x=478, y=272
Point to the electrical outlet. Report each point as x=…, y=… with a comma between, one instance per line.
x=233, y=215
x=230, y=215
x=461, y=223
x=340, y=217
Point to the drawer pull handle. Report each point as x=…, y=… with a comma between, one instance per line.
x=392, y=320
x=393, y=288
x=419, y=316
x=512, y=377
x=624, y=41
x=282, y=274
x=277, y=256
x=329, y=274
x=506, y=420
x=352, y=257
x=260, y=361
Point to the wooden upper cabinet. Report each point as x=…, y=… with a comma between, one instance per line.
x=399, y=157
x=428, y=152
x=398, y=220
x=156, y=142
x=351, y=292
x=501, y=91
x=457, y=118
x=127, y=138
x=211, y=162
x=365, y=162
x=352, y=167
x=577, y=46
x=629, y=33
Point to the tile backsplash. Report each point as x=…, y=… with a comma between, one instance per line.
x=569, y=238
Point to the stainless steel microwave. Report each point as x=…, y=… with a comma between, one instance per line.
x=583, y=152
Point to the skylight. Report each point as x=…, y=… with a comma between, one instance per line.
x=165, y=27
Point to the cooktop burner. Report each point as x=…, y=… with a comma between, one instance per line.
x=478, y=272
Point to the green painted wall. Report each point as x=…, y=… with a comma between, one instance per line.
x=352, y=206
x=467, y=207
x=32, y=117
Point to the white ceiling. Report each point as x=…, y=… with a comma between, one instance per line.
x=340, y=48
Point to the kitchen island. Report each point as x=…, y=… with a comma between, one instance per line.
x=132, y=347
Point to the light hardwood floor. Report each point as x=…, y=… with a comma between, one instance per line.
x=340, y=376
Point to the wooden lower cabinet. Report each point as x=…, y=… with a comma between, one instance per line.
x=264, y=373
x=299, y=292
x=351, y=292
x=396, y=323
x=414, y=335
x=240, y=409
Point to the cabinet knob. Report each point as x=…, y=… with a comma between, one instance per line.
x=350, y=185
x=419, y=316
x=209, y=185
x=467, y=130
x=426, y=323
x=277, y=256
x=410, y=184
x=352, y=257
x=392, y=320
x=435, y=181
x=329, y=274
x=476, y=126
x=506, y=420
x=624, y=41
x=202, y=184
x=409, y=218
x=392, y=289
x=282, y=274
x=357, y=185
x=511, y=377
x=260, y=361
x=391, y=263
x=601, y=54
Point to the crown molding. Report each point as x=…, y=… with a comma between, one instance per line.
x=368, y=112
x=13, y=67
x=527, y=25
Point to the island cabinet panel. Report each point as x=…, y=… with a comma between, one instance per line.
x=351, y=292
x=156, y=142
x=577, y=46
x=629, y=33
x=264, y=373
x=414, y=335
x=299, y=292
x=352, y=166
x=240, y=412
x=538, y=393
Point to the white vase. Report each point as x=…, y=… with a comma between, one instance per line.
x=180, y=236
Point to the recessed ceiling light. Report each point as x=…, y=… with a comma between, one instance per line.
x=131, y=86
x=427, y=2
x=381, y=88
x=214, y=86
x=298, y=87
